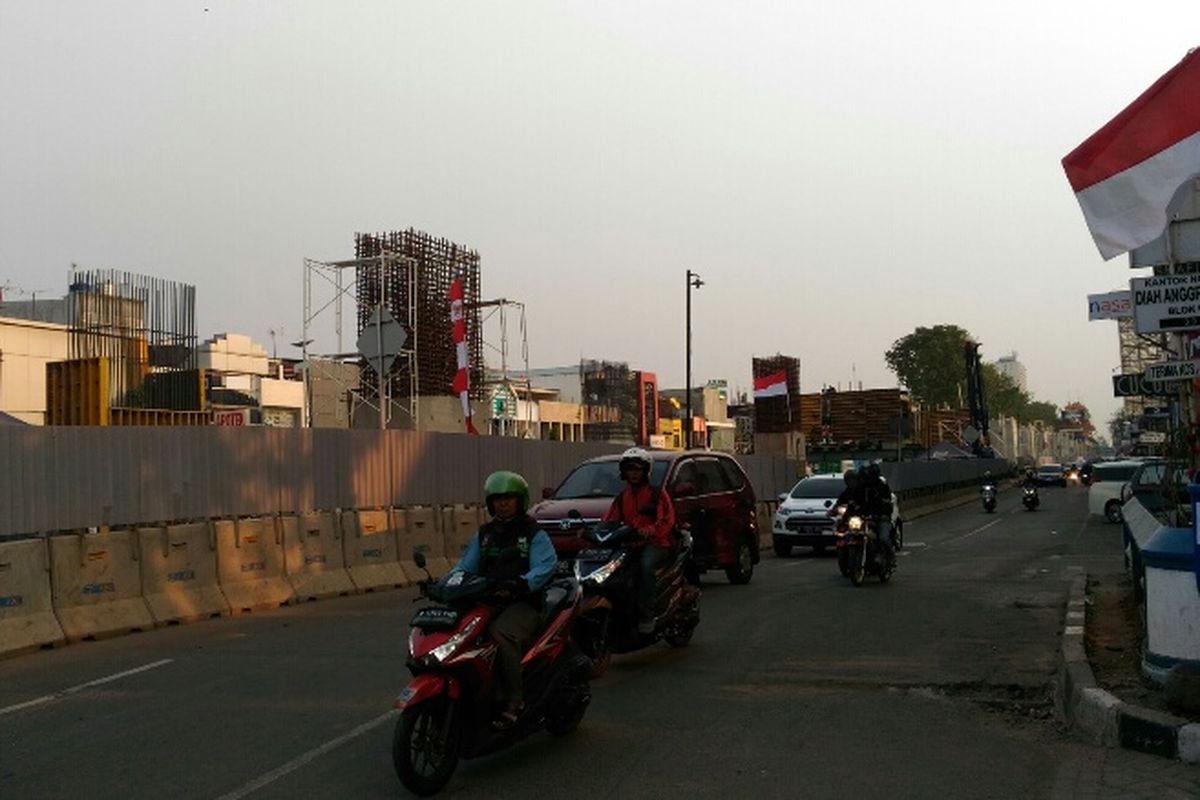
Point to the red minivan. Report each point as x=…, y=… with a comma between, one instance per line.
x=713, y=500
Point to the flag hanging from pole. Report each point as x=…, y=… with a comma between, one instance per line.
x=1126, y=174
x=773, y=385
x=458, y=323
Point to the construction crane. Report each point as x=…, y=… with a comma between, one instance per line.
x=976, y=406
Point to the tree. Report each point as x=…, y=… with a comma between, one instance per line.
x=929, y=361
x=1002, y=396
x=1077, y=413
x=1041, y=412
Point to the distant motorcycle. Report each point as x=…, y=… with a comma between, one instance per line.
x=858, y=549
x=989, y=497
x=1030, y=498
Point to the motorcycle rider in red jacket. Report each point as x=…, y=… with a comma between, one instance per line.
x=647, y=509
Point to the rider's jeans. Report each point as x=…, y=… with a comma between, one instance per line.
x=652, y=557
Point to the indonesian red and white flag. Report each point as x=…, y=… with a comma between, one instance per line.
x=462, y=379
x=773, y=385
x=1127, y=173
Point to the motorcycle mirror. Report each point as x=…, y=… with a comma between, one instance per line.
x=418, y=558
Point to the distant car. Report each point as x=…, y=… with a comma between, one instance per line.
x=802, y=519
x=1051, y=475
x=1104, y=493
x=712, y=496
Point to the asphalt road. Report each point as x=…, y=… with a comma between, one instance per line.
x=938, y=684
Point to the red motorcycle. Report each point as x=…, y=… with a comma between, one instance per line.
x=447, y=708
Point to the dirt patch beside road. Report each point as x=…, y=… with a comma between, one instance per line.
x=1114, y=633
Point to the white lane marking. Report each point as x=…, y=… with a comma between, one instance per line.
x=915, y=544
x=37, y=701
x=300, y=760
x=980, y=529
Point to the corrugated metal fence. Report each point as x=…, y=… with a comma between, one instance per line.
x=69, y=478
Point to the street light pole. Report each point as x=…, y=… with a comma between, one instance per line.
x=693, y=281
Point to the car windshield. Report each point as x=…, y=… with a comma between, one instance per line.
x=815, y=488
x=601, y=479
x=1050, y=469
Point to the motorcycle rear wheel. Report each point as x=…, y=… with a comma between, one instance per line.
x=425, y=747
x=565, y=723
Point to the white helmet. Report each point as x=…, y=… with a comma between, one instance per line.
x=636, y=455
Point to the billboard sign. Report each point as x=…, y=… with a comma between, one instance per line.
x=1135, y=385
x=1173, y=371
x=1166, y=303
x=236, y=418
x=1113, y=305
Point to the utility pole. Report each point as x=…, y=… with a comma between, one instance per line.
x=693, y=281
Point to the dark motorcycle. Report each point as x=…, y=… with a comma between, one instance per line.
x=988, y=494
x=858, y=550
x=608, y=571
x=1030, y=498
x=447, y=708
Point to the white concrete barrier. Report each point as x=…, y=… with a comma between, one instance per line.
x=460, y=523
x=420, y=532
x=369, y=542
x=179, y=573
x=250, y=563
x=316, y=565
x=97, y=585
x=27, y=619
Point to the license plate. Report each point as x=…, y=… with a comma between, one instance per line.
x=435, y=618
x=812, y=530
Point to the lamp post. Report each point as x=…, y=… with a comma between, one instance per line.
x=693, y=282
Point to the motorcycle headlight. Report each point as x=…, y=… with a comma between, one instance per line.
x=603, y=573
x=447, y=648
x=855, y=523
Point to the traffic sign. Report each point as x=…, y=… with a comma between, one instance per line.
x=381, y=340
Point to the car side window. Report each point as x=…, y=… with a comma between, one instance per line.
x=684, y=484
x=733, y=475
x=710, y=477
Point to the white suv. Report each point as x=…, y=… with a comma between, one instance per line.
x=1104, y=492
x=803, y=514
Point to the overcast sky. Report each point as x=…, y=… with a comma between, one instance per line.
x=838, y=173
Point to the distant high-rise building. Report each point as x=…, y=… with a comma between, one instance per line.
x=1014, y=369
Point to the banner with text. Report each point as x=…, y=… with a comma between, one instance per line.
x=1173, y=371
x=1166, y=303
x=1113, y=305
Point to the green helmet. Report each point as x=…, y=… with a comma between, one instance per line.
x=505, y=482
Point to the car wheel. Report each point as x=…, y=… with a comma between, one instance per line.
x=743, y=568
x=1112, y=510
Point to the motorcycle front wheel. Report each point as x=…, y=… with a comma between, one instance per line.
x=425, y=747
x=858, y=565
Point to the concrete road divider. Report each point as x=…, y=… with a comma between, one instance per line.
x=250, y=563
x=96, y=583
x=27, y=619
x=419, y=531
x=460, y=523
x=179, y=573
x=764, y=515
x=313, y=556
x=372, y=557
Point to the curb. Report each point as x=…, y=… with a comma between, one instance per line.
x=1098, y=716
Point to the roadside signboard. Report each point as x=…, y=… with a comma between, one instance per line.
x=1166, y=303
x=1134, y=384
x=1112, y=305
x=1152, y=437
x=1173, y=371
x=235, y=418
